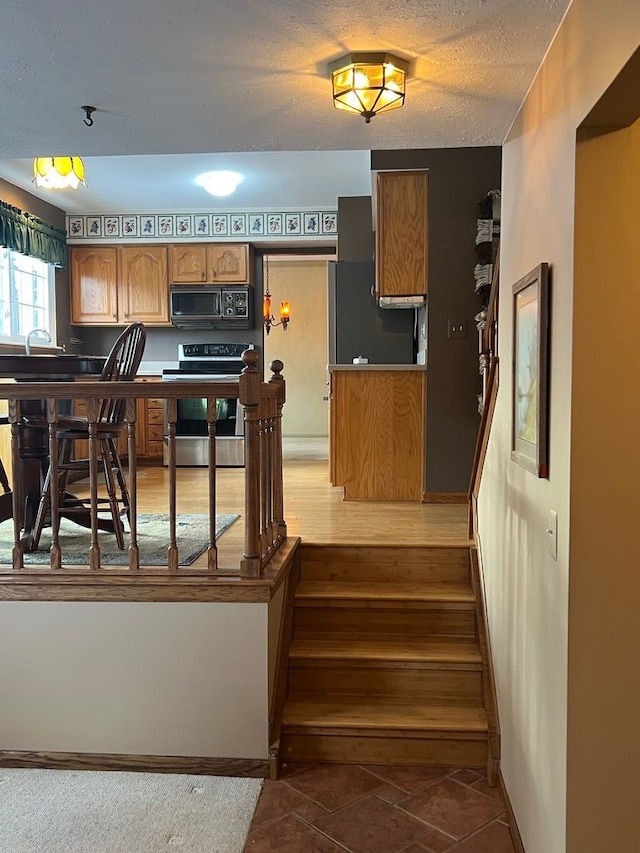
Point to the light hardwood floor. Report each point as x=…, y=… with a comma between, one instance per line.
x=313, y=509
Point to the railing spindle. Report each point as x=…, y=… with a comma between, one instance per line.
x=212, y=552
x=132, y=465
x=249, y=393
x=54, y=486
x=17, y=553
x=172, y=551
x=92, y=417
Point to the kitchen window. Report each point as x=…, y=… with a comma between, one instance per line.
x=27, y=296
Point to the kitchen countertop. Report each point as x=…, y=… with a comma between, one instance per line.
x=417, y=367
x=155, y=368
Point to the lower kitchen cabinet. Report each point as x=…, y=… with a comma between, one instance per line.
x=377, y=431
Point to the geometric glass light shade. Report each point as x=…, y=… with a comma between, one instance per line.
x=368, y=83
x=58, y=173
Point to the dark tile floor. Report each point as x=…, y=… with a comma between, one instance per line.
x=328, y=808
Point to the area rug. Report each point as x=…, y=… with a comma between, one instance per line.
x=192, y=535
x=86, y=811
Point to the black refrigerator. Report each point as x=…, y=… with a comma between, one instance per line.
x=358, y=327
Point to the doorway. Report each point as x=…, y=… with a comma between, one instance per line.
x=303, y=282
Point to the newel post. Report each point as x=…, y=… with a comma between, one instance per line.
x=249, y=396
x=277, y=380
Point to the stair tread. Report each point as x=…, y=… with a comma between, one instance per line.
x=400, y=591
x=364, y=715
x=401, y=648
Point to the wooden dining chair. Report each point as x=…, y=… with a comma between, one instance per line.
x=121, y=366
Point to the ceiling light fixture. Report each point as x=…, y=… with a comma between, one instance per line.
x=368, y=83
x=58, y=173
x=220, y=183
x=61, y=173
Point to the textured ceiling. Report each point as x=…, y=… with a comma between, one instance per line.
x=205, y=77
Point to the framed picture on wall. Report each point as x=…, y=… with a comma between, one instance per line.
x=529, y=432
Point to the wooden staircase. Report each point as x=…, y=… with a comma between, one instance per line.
x=385, y=664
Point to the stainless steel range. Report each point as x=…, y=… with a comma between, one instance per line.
x=207, y=363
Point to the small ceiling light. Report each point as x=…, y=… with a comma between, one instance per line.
x=219, y=183
x=368, y=83
x=58, y=173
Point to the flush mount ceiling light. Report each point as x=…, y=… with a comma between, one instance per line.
x=58, y=173
x=219, y=183
x=368, y=83
x=61, y=173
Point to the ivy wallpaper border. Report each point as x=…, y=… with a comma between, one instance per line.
x=190, y=226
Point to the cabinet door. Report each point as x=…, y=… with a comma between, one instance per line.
x=94, y=294
x=143, y=285
x=229, y=262
x=188, y=263
x=401, y=233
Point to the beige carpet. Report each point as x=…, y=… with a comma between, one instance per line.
x=80, y=811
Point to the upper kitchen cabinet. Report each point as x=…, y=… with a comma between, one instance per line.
x=211, y=263
x=188, y=263
x=230, y=262
x=113, y=286
x=401, y=205
x=143, y=291
x=94, y=294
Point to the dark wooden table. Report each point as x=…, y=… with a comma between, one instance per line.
x=33, y=442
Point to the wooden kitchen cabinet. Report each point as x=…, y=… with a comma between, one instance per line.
x=188, y=263
x=94, y=288
x=143, y=285
x=211, y=263
x=402, y=240
x=229, y=262
x=377, y=432
x=113, y=286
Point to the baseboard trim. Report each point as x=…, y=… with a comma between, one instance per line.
x=445, y=498
x=256, y=768
x=513, y=826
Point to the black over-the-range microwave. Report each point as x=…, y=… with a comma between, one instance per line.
x=205, y=306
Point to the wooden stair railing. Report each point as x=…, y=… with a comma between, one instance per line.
x=489, y=370
x=265, y=528
x=263, y=402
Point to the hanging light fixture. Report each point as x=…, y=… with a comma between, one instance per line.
x=285, y=308
x=368, y=83
x=60, y=173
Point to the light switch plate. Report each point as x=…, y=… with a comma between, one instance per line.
x=552, y=533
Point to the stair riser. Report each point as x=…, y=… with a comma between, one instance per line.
x=327, y=620
x=438, y=752
x=399, y=685
x=427, y=572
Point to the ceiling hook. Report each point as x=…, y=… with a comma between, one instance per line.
x=88, y=120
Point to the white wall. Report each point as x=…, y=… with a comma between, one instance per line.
x=141, y=678
x=527, y=591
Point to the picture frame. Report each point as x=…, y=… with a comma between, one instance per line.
x=529, y=412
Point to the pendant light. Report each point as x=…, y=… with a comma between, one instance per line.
x=59, y=173
x=285, y=308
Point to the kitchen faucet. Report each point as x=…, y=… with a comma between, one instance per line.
x=27, y=340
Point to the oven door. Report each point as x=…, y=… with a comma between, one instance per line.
x=192, y=443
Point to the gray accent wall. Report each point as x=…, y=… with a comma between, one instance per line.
x=459, y=178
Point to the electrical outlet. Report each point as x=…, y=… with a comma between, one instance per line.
x=456, y=329
x=552, y=533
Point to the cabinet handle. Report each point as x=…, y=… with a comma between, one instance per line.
x=126, y=316
x=114, y=316
x=203, y=275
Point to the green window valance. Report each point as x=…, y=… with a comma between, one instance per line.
x=30, y=235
